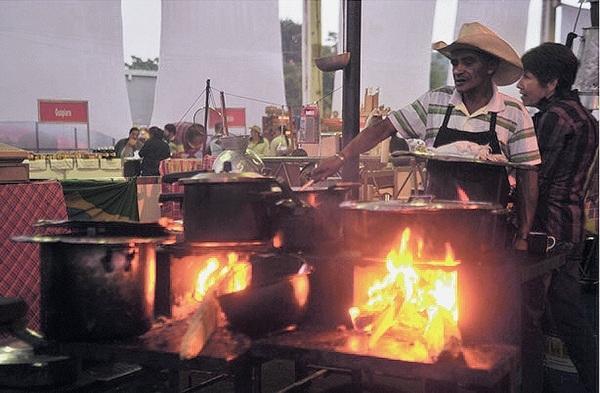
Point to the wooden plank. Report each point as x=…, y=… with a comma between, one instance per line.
x=160, y=348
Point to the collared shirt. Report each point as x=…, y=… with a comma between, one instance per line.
x=567, y=135
x=423, y=118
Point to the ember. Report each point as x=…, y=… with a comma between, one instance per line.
x=231, y=276
x=413, y=301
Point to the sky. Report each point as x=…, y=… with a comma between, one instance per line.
x=141, y=22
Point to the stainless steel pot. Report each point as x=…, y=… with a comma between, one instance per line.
x=472, y=229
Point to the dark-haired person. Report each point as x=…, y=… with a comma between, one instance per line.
x=170, y=133
x=121, y=143
x=154, y=150
x=194, y=142
x=471, y=111
x=567, y=138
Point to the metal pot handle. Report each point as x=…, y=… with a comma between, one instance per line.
x=107, y=260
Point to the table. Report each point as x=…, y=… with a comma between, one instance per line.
x=22, y=205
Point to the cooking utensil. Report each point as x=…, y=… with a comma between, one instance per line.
x=233, y=207
x=97, y=287
x=320, y=221
x=276, y=298
x=400, y=157
x=471, y=228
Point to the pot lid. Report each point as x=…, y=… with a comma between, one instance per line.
x=98, y=240
x=224, y=177
x=418, y=206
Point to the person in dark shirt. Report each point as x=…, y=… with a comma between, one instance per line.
x=133, y=133
x=153, y=152
x=567, y=139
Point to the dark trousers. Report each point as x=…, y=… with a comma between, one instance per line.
x=559, y=295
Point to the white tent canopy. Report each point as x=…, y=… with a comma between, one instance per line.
x=64, y=50
x=235, y=44
x=396, y=49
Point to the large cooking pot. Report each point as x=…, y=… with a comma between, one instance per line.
x=277, y=297
x=98, y=281
x=228, y=207
x=99, y=290
x=319, y=223
x=472, y=229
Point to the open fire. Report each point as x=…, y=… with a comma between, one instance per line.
x=228, y=276
x=412, y=299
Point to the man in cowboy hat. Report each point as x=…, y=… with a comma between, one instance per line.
x=472, y=111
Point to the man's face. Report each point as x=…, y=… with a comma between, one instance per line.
x=532, y=90
x=470, y=70
x=134, y=134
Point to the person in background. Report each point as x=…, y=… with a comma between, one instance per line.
x=568, y=140
x=214, y=146
x=154, y=150
x=194, y=142
x=131, y=147
x=170, y=132
x=257, y=143
x=144, y=135
x=133, y=132
x=472, y=111
x=280, y=145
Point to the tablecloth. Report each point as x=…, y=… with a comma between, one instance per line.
x=21, y=206
x=172, y=209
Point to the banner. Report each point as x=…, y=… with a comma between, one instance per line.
x=53, y=111
x=236, y=117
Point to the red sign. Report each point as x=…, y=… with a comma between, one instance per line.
x=236, y=117
x=51, y=111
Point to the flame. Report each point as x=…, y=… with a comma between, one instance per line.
x=230, y=276
x=462, y=194
x=278, y=240
x=414, y=303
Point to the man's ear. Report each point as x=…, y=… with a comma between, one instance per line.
x=550, y=87
x=493, y=66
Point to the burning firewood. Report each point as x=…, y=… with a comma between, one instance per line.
x=202, y=325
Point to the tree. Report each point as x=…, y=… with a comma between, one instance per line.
x=137, y=63
x=291, y=46
x=439, y=70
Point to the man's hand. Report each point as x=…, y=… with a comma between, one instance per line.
x=326, y=168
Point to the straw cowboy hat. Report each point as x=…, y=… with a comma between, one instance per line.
x=476, y=36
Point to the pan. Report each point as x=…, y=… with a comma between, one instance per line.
x=276, y=299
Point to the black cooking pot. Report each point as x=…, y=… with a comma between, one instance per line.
x=99, y=290
x=318, y=223
x=232, y=207
x=472, y=229
x=277, y=297
x=326, y=201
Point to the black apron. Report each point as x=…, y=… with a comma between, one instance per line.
x=480, y=182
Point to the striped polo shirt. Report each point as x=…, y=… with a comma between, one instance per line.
x=423, y=118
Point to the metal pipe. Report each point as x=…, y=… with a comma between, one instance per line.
x=206, y=106
x=224, y=114
x=351, y=86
